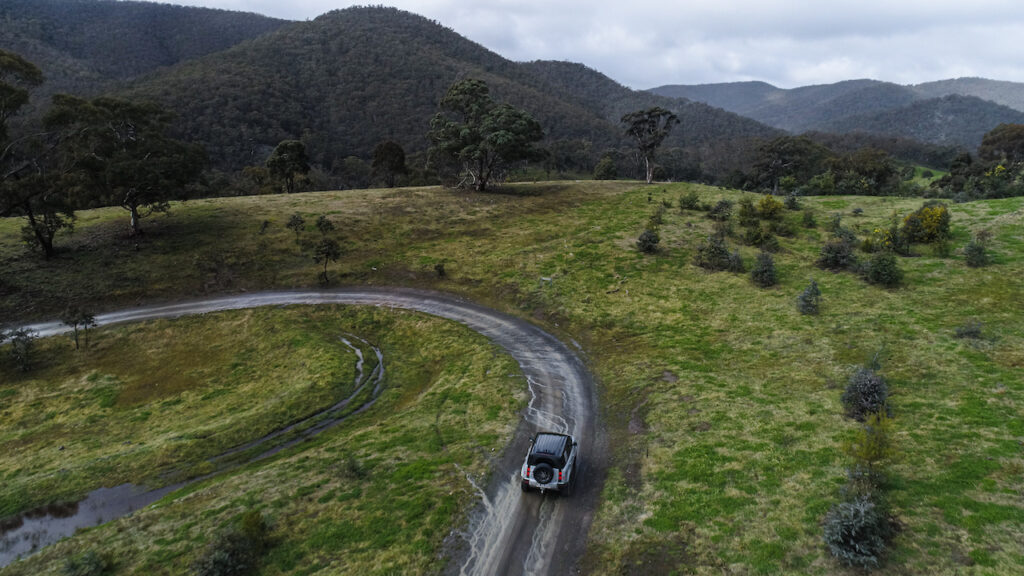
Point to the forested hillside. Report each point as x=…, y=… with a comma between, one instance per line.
x=352, y=78
x=955, y=112
x=950, y=120
x=82, y=46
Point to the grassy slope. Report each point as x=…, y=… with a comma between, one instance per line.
x=332, y=501
x=722, y=400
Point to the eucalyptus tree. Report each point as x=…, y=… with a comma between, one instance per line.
x=649, y=128
x=481, y=135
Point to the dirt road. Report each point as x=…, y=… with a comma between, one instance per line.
x=508, y=532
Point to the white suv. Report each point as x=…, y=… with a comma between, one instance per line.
x=551, y=463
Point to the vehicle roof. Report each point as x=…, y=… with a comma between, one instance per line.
x=550, y=443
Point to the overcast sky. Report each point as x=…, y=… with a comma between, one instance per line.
x=647, y=43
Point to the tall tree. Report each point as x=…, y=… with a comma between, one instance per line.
x=1004, y=143
x=288, y=162
x=17, y=77
x=649, y=128
x=480, y=134
x=124, y=151
x=32, y=183
x=388, y=162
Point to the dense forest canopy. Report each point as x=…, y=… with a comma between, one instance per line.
x=240, y=84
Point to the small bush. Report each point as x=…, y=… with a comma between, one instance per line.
x=22, y=350
x=792, y=202
x=721, y=211
x=89, y=563
x=648, y=241
x=856, y=532
x=857, y=211
x=972, y=329
x=747, y=213
x=836, y=254
x=929, y=223
x=713, y=254
x=835, y=222
x=763, y=273
x=770, y=208
x=782, y=227
x=657, y=218
x=235, y=551
x=736, y=262
x=884, y=270
x=808, y=219
x=605, y=169
x=769, y=243
x=976, y=251
x=865, y=394
x=872, y=448
x=809, y=301
x=689, y=201
x=753, y=235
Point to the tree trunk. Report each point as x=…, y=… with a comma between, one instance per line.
x=45, y=242
x=136, y=227
x=649, y=168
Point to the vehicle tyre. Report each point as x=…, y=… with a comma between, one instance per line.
x=543, y=473
x=524, y=486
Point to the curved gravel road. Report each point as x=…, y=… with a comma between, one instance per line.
x=508, y=532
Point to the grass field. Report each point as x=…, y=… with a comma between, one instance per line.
x=377, y=494
x=722, y=401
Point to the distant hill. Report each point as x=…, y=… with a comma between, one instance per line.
x=1009, y=94
x=84, y=46
x=871, y=106
x=949, y=120
x=352, y=78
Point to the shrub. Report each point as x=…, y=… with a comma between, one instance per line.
x=929, y=223
x=689, y=201
x=721, y=211
x=296, y=223
x=763, y=273
x=809, y=300
x=235, y=551
x=753, y=235
x=976, y=251
x=792, y=202
x=782, y=228
x=713, y=254
x=865, y=394
x=808, y=219
x=884, y=270
x=747, y=214
x=736, y=262
x=22, y=351
x=657, y=218
x=648, y=241
x=89, y=563
x=972, y=329
x=871, y=449
x=857, y=211
x=835, y=222
x=836, y=254
x=769, y=208
x=605, y=169
x=856, y=532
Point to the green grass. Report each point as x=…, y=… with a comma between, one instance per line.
x=380, y=490
x=722, y=401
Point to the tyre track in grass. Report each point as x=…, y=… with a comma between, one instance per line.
x=508, y=532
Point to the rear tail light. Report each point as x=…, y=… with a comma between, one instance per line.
x=559, y=475
x=528, y=471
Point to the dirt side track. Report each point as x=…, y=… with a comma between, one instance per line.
x=508, y=532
